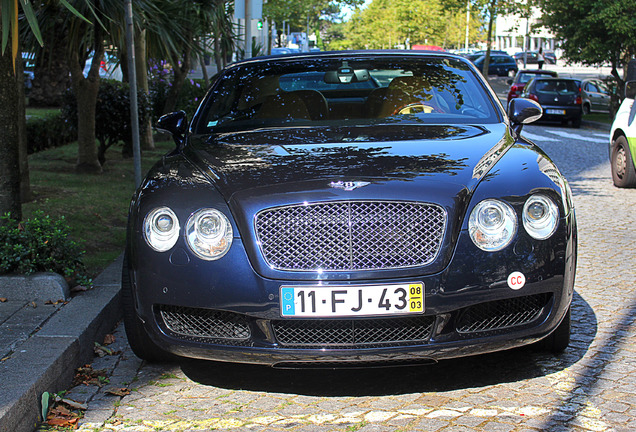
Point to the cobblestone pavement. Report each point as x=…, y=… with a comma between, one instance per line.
x=591, y=387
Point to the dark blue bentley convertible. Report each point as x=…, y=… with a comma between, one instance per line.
x=345, y=208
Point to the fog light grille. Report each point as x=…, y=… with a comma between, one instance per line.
x=502, y=314
x=348, y=334
x=204, y=323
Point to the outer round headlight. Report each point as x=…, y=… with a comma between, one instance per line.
x=540, y=216
x=492, y=225
x=161, y=229
x=209, y=234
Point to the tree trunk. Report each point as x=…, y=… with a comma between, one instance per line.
x=218, y=53
x=9, y=147
x=493, y=9
x=180, y=74
x=51, y=74
x=141, y=66
x=86, y=90
x=25, y=183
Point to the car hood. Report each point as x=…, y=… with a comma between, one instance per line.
x=440, y=165
x=303, y=159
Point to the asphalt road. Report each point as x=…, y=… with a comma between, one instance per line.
x=591, y=387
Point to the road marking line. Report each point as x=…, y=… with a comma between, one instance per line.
x=534, y=137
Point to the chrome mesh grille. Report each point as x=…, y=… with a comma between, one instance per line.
x=348, y=334
x=350, y=235
x=197, y=323
x=502, y=314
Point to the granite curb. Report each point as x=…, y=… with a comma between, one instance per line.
x=48, y=359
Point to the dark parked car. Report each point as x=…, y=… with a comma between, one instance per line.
x=522, y=77
x=312, y=214
x=500, y=64
x=596, y=97
x=560, y=98
x=533, y=57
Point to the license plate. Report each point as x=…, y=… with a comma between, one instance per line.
x=555, y=111
x=348, y=300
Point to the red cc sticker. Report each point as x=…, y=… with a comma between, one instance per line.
x=516, y=280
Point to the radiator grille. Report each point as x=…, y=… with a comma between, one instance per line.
x=351, y=235
x=347, y=334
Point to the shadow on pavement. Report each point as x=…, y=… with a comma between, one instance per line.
x=455, y=374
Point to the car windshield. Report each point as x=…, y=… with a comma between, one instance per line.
x=338, y=91
x=556, y=87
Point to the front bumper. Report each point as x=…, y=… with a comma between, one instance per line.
x=225, y=311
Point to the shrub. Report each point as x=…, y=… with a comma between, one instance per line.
x=48, y=132
x=40, y=244
x=112, y=116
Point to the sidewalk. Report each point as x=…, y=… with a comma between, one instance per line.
x=42, y=344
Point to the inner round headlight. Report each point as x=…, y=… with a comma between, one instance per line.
x=161, y=229
x=492, y=225
x=209, y=234
x=540, y=216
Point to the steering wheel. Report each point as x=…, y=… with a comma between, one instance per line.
x=415, y=108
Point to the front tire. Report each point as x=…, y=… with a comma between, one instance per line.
x=138, y=339
x=623, y=173
x=559, y=339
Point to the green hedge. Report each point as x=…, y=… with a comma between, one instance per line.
x=48, y=132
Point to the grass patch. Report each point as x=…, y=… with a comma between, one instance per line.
x=598, y=117
x=41, y=112
x=95, y=206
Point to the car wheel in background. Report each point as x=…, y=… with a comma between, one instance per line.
x=623, y=173
x=138, y=339
x=559, y=339
x=586, y=109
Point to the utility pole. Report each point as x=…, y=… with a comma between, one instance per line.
x=467, y=23
x=248, y=29
x=132, y=78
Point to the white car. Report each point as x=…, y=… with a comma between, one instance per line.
x=622, y=145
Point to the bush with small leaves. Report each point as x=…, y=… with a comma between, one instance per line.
x=40, y=244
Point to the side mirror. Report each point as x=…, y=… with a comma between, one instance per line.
x=630, y=89
x=176, y=124
x=523, y=111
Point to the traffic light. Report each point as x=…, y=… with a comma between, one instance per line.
x=259, y=25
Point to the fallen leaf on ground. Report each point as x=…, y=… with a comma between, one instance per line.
x=62, y=417
x=79, y=288
x=88, y=376
x=3, y=299
x=109, y=339
x=5, y=358
x=102, y=351
x=123, y=391
x=51, y=302
x=34, y=305
x=71, y=403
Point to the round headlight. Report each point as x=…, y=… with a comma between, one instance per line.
x=492, y=225
x=540, y=216
x=161, y=229
x=209, y=234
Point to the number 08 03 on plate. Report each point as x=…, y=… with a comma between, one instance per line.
x=351, y=300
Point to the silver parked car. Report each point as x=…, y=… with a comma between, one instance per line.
x=595, y=95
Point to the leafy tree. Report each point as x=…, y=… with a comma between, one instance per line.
x=300, y=15
x=594, y=31
x=388, y=23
